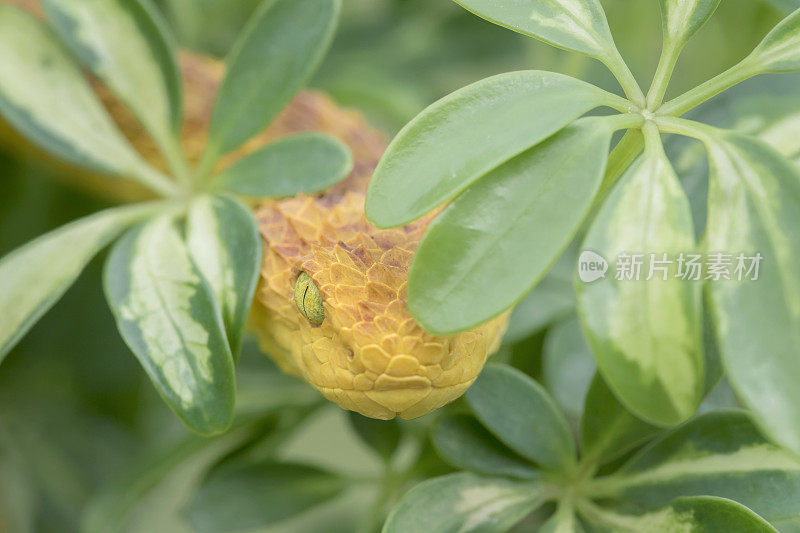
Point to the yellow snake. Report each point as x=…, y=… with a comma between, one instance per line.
x=368, y=354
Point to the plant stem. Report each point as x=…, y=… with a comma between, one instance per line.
x=206, y=164
x=595, y=513
x=155, y=180
x=624, y=121
x=621, y=157
x=176, y=160
x=603, y=487
x=616, y=64
x=670, y=53
x=688, y=101
x=682, y=126
x=652, y=139
x=619, y=103
x=565, y=516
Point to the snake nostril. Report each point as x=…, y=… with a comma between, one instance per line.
x=350, y=355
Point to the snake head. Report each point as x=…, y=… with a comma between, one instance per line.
x=331, y=308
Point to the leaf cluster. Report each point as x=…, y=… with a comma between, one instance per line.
x=522, y=172
x=183, y=268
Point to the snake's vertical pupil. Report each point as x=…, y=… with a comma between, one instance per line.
x=308, y=299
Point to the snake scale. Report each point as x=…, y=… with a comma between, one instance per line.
x=367, y=354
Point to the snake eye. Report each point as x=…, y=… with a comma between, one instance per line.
x=308, y=299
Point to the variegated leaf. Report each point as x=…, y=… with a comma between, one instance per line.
x=465, y=503
x=168, y=316
x=643, y=322
x=126, y=44
x=780, y=49
x=225, y=244
x=754, y=211
x=33, y=277
x=682, y=18
x=467, y=134
x=717, y=454
x=577, y=25
x=699, y=514
x=280, y=50
x=37, y=81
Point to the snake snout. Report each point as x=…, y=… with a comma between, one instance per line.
x=332, y=308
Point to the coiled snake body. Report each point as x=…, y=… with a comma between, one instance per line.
x=368, y=354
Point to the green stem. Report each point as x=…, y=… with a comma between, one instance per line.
x=206, y=164
x=688, y=101
x=155, y=180
x=616, y=64
x=393, y=484
x=652, y=139
x=625, y=121
x=565, y=516
x=596, y=514
x=688, y=128
x=666, y=66
x=176, y=160
x=603, y=488
x=621, y=157
x=619, y=103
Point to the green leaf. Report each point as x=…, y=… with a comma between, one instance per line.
x=167, y=314
x=683, y=18
x=717, y=454
x=552, y=299
x=277, y=54
x=577, y=25
x=791, y=525
x=225, y=245
x=780, y=49
x=167, y=475
x=301, y=163
x=463, y=503
x=469, y=133
x=35, y=276
x=246, y=495
x=126, y=44
x=567, y=366
x=645, y=333
x=699, y=514
x=37, y=80
x=260, y=392
x=504, y=233
x=519, y=412
x=754, y=208
x=464, y=443
x=608, y=430
x=786, y=6
x=383, y=436
x=18, y=492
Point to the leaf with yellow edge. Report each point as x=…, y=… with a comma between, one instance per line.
x=168, y=316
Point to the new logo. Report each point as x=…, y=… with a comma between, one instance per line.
x=591, y=266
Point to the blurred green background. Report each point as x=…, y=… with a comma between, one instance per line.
x=84, y=440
